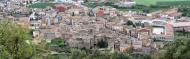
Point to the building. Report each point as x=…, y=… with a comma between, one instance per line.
x=144, y=36
x=63, y=1
x=25, y=1
x=60, y=8
x=180, y=26
x=125, y=4
x=34, y=21
x=100, y=13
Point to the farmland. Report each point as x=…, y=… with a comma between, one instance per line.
x=40, y=5
x=162, y=2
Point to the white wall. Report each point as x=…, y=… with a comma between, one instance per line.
x=158, y=30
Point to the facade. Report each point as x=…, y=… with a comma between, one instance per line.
x=125, y=4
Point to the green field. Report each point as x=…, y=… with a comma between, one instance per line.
x=40, y=5
x=162, y=2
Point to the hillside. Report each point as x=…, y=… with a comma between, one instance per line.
x=162, y=2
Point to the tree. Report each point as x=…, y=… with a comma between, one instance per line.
x=85, y=1
x=179, y=49
x=15, y=42
x=102, y=44
x=185, y=11
x=58, y=42
x=117, y=55
x=130, y=23
x=138, y=24
x=140, y=56
x=77, y=54
x=146, y=10
x=58, y=45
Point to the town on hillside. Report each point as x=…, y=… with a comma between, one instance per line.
x=135, y=26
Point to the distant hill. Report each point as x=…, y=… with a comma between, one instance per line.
x=163, y=2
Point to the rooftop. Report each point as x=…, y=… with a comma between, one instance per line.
x=182, y=24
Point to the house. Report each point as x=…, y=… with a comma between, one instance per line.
x=35, y=33
x=100, y=13
x=80, y=40
x=34, y=21
x=49, y=36
x=35, y=24
x=63, y=1
x=25, y=1
x=160, y=39
x=60, y=7
x=163, y=31
x=179, y=26
x=144, y=36
x=125, y=4
x=24, y=22
x=170, y=14
x=137, y=44
x=158, y=26
x=169, y=30
x=125, y=45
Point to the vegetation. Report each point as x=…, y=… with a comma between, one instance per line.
x=82, y=54
x=162, y=2
x=58, y=42
x=141, y=8
x=138, y=8
x=130, y=23
x=102, y=44
x=58, y=45
x=93, y=4
x=173, y=3
x=182, y=34
x=179, y=49
x=40, y=5
x=15, y=43
x=139, y=24
x=185, y=11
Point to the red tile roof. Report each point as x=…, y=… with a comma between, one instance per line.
x=60, y=9
x=143, y=30
x=100, y=13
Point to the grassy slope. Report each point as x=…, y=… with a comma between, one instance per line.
x=145, y=2
x=153, y=2
x=40, y=5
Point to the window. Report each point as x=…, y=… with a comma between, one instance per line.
x=31, y=24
